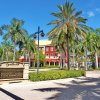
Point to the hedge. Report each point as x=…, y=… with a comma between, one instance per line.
x=55, y=74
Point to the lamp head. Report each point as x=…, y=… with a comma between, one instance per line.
x=34, y=36
x=42, y=34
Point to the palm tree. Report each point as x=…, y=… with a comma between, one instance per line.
x=69, y=23
x=59, y=43
x=74, y=51
x=28, y=47
x=15, y=33
x=85, y=46
x=90, y=44
x=96, y=44
x=7, y=49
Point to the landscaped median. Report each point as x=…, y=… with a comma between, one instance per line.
x=55, y=74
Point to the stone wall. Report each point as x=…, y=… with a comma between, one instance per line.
x=14, y=70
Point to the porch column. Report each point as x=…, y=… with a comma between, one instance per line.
x=49, y=63
x=59, y=63
x=44, y=63
x=34, y=63
x=54, y=63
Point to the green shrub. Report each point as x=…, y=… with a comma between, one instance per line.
x=55, y=74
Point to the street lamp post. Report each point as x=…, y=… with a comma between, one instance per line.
x=42, y=35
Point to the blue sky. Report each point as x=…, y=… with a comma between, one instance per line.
x=37, y=12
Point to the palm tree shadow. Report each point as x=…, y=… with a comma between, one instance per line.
x=13, y=96
x=83, y=89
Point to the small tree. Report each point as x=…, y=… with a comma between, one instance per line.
x=7, y=50
x=41, y=57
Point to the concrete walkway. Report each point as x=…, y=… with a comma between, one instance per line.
x=45, y=69
x=93, y=73
x=83, y=88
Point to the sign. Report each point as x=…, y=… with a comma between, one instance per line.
x=9, y=73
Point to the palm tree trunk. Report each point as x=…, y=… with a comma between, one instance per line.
x=3, y=55
x=74, y=55
x=7, y=56
x=29, y=59
x=74, y=61
x=14, y=52
x=83, y=63
x=96, y=60
x=86, y=59
x=61, y=59
x=68, y=53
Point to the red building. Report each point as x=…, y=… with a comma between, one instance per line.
x=52, y=56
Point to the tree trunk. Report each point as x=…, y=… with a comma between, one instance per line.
x=29, y=59
x=3, y=55
x=26, y=57
x=83, y=63
x=96, y=60
x=86, y=59
x=7, y=56
x=14, y=52
x=61, y=60
x=68, y=53
x=74, y=56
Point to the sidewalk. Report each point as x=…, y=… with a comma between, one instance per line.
x=95, y=73
x=45, y=69
x=83, y=88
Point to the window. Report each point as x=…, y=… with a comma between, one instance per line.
x=51, y=54
x=46, y=54
x=56, y=55
x=51, y=48
x=47, y=49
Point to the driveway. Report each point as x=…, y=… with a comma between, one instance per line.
x=82, y=88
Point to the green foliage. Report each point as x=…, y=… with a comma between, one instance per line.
x=15, y=33
x=29, y=45
x=6, y=50
x=69, y=25
x=55, y=74
x=41, y=56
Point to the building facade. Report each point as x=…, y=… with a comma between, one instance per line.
x=52, y=57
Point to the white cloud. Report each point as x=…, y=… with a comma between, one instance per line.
x=98, y=10
x=90, y=14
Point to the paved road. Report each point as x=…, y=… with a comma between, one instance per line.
x=83, y=88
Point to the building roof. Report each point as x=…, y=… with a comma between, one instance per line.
x=43, y=42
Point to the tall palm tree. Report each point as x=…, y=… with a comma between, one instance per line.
x=69, y=23
x=90, y=44
x=15, y=33
x=29, y=47
x=85, y=46
x=96, y=44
